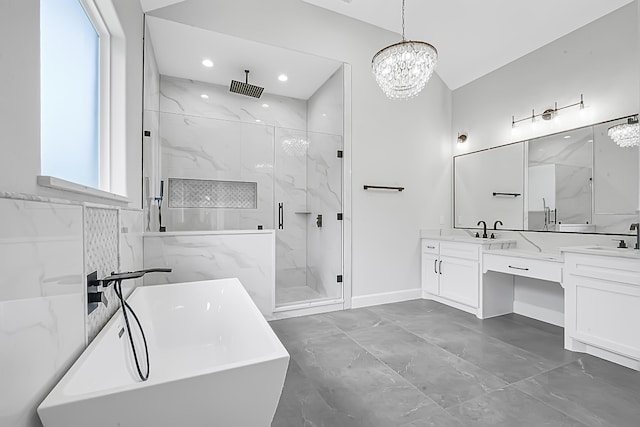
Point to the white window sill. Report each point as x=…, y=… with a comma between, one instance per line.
x=61, y=184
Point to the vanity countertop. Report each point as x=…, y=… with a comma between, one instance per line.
x=468, y=239
x=522, y=253
x=604, y=251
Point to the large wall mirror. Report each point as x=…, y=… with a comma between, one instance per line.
x=575, y=181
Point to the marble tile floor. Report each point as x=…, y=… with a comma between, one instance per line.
x=420, y=363
x=295, y=294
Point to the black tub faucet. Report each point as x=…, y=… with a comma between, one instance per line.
x=484, y=224
x=495, y=228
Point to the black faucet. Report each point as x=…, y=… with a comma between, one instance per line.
x=636, y=227
x=484, y=234
x=495, y=228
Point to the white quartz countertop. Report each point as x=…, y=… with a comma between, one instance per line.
x=467, y=239
x=522, y=253
x=604, y=251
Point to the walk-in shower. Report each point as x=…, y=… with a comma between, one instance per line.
x=232, y=162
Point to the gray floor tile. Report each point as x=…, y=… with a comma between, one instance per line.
x=590, y=391
x=384, y=366
x=358, y=385
x=509, y=407
x=507, y=362
x=351, y=320
x=301, y=404
x=527, y=337
x=446, y=379
x=300, y=328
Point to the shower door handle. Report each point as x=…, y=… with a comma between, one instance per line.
x=281, y=216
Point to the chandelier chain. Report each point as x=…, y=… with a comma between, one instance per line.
x=403, y=38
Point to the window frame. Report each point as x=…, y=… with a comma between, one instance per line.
x=111, y=75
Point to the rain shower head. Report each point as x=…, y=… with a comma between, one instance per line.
x=245, y=88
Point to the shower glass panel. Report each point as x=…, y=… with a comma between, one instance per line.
x=308, y=196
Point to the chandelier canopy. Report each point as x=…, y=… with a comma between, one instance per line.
x=626, y=134
x=403, y=69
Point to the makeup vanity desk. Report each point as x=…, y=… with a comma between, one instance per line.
x=601, y=288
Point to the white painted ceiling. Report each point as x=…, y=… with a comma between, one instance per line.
x=475, y=37
x=180, y=49
x=148, y=5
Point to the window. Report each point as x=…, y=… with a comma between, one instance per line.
x=76, y=89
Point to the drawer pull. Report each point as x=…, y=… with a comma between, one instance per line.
x=430, y=247
x=519, y=268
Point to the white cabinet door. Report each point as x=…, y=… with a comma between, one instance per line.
x=430, y=273
x=459, y=280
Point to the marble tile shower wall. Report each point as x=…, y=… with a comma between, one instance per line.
x=324, y=197
x=225, y=136
x=291, y=190
x=43, y=321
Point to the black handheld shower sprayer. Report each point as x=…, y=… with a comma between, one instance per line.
x=159, y=201
x=116, y=278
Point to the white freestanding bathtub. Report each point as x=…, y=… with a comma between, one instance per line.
x=214, y=362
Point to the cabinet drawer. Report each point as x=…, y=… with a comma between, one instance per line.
x=622, y=270
x=460, y=250
x=430, y=247
x=534, y=268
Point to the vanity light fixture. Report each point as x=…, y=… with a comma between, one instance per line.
x=204, y=96
x=403, y=69
x=547, y=114
x=462, y=137
x=626, y=134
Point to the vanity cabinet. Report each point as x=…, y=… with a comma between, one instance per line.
x=450, y=273
x=602, y=307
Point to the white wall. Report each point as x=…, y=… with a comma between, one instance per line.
x=20, y=95
x=394, y=142
x=599, y=60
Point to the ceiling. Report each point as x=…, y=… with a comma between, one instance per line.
x=180, y=49
x=475, y=37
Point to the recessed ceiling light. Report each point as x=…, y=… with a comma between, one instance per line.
x=265, y=105
x=324, y=114
x=258, y=120
x=207, y=63
x=567, y=137
x=283, y=77
x=204, y=96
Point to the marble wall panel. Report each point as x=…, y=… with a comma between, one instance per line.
x=249, y=256
x=324, y=196
x=200, y=148
x=42, y=322
x=325, y=108
x=291, y=190
x=183, y=97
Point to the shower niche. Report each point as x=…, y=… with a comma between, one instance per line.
x=229, y=161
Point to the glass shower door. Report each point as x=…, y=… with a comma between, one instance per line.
x=308, y=195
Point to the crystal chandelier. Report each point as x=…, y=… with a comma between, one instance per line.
x=626, y=134
x=403, y=69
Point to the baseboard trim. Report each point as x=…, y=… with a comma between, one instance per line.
x=539, y=313
x=385, y=298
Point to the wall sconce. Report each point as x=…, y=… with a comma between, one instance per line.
x=462, y=137
x=547, y=114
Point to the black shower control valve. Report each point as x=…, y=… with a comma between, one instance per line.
x=319, y=220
